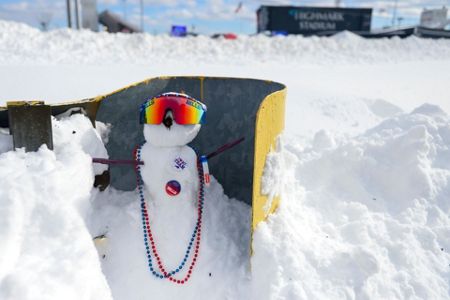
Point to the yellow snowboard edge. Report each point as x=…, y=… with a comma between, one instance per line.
x=269, y=125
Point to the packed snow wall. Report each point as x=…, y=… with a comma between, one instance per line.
x=237, y=107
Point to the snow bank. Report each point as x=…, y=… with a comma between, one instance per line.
x=343, y=229
x=222, y=268
x=46, y=251
x=6, y=143
x=20, y=44
x=368, y=219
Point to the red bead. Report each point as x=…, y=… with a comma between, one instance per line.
x=182, y=281
x=178, y=281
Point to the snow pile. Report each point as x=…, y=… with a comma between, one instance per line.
x=222, y=268
x=65, y=46
x=46, y=251
x=343, y=230
x=6, y=143
x=369, y=218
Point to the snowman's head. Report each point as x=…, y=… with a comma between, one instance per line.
x=172, y=119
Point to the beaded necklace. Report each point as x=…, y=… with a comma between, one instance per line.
x=148, y=236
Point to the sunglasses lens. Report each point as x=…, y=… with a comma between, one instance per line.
x=189, y=112
x=185, y=110
x=152, y=112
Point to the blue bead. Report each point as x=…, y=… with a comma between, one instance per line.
x=160, y=276
x=192, y=239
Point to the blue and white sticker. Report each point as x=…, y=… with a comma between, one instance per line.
x=179, y=164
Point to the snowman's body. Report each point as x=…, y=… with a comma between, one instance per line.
x=172, y=217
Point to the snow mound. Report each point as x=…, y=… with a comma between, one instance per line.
x=347, y=36
x=6, y=142
x=368, y=219
x=20, y=44
x=343, y=229
x=222, y=268
x=46, y=251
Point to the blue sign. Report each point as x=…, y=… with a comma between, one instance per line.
x=179, y=31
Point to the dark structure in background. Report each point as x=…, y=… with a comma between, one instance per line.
x=388, y=33
x=313, y=20
x=114, y=23
x=30, y=124
x=84, y=12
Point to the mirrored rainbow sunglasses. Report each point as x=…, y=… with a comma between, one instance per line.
x=185, y=109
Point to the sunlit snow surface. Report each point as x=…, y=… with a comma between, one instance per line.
x=363, y=171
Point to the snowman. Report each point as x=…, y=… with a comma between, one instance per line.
x=170, y=185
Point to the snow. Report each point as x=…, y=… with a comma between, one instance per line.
x=373, y=214
x=363, y=172
x=223, y=260
x=46, y=251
